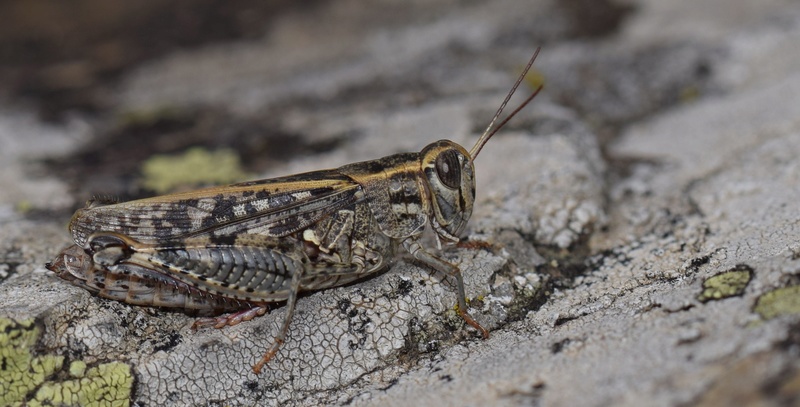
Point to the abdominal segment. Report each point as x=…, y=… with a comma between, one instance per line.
x=138, y=285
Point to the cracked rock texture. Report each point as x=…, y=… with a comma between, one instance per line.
x=635, y=239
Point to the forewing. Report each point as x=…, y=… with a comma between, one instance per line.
x=272, y=207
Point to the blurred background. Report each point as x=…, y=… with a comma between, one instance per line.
x=230, y=81
x=250, y=85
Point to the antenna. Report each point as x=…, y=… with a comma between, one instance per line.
x=488, y=133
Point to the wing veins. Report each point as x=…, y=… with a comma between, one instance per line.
x=294, y=205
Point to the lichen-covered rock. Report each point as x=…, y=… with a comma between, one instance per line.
x=635, y=239
x=29, y=379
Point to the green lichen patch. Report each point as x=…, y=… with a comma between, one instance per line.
x=108, y=384
x=24, y=375
x=20, y=371
x=778, y=302
x=728, y=284
x=534, y=78
x=151, y=117
x=196, y=166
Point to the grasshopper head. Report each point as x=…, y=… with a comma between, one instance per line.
x=450, y=173
x=71, y=264
x=451, y=179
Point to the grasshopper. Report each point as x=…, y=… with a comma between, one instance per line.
x=240, y=247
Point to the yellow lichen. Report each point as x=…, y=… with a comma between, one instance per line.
x=149, y=117
x=196, y=166
x=534, y=78
x=77, y=368
x=24, y=206
x=21, y=371
x=106, y=384
x=778, y=302
x=727, y=284
x=22, y=374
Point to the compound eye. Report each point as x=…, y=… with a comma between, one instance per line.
x=448, y=168
x=73, y=262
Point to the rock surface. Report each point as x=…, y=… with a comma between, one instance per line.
x=635, y=240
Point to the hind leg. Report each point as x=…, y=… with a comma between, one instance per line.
x=233, y=318
x=281, y=337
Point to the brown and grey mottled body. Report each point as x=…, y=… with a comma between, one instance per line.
x=139, y=285
x=265, y=241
